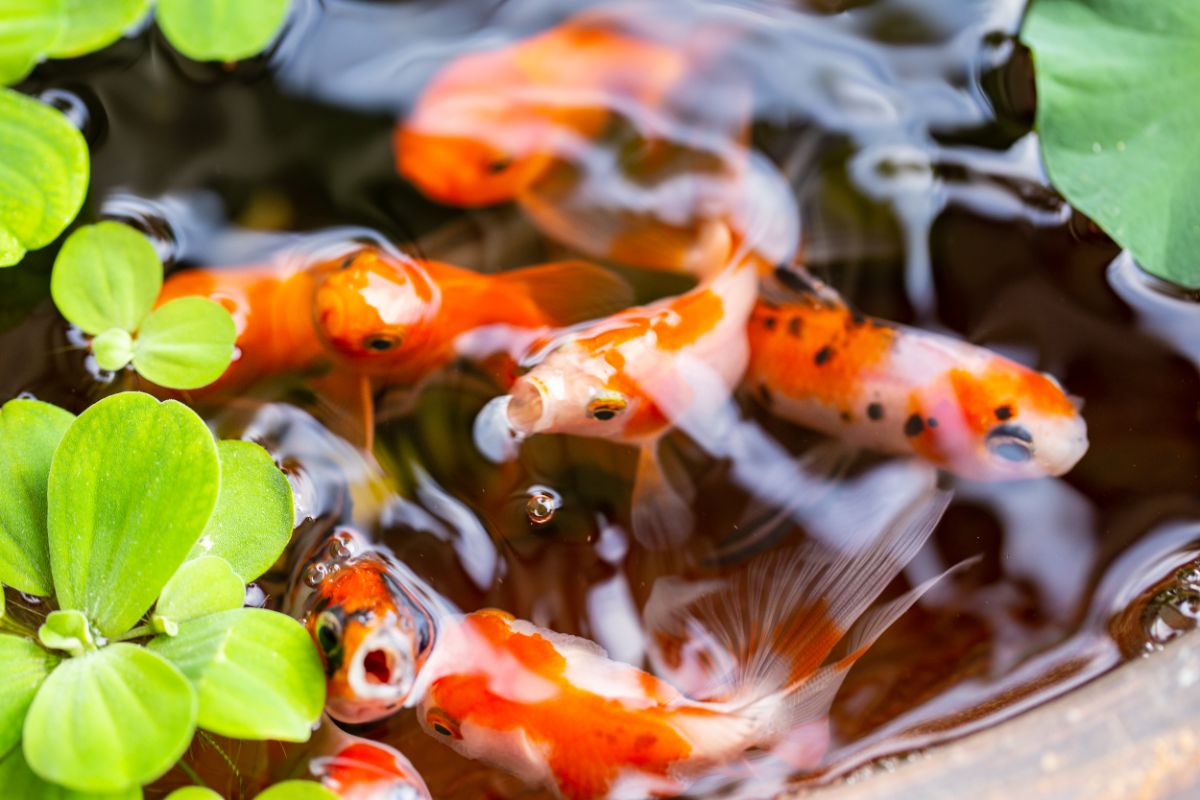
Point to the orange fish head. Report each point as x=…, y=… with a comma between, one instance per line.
x=366, y=770
x=1021, y=422
x=467, y=170
x=374, y=636
x=571, y=393
x=373, y=308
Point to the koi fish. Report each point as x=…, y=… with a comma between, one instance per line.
x=397, y=319
x=617, y=134
x=367, y=770
x=632, y=377
x=895, y=389
x=270, y=307
x=556, y=711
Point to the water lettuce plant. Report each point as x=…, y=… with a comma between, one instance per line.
x=141, y=532
x=105, y=281
x=287, y=790
x=1117, y=116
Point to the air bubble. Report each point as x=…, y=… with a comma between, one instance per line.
x=543, y=503
x=315, y=574
x=255, y=596
x=339, y=548
x=1172, y=613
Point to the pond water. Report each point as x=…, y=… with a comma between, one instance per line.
x=903, y=128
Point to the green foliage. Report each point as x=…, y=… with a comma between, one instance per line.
x=30, y=28
x=112, y=719
x=256, y=673
x=45, y=174
x=89, y=26
x=221, y=30
x=287, y=790
x=131, y=488
x=1117, y=117
x=106, y=279
x=254, y=515
x=19, y=781
x=124, y=491
x=29, y=433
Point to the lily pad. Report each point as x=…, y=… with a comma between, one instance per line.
x=132, y=486
x=253, y=519
x=1117, y=117
x=185, y=344
x=111, y=720
x=43, y=177
x=221, y=30
x=256, y=673
x=23, y=668
x=107, y=275
x=29, y=29
x=29, y=433
x=201, y=586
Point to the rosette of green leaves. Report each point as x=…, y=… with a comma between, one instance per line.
x=287, y=790
x=106, y=280
x=127, y=506
x=1117, y=117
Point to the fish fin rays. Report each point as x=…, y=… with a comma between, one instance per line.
x=347, y=405
x=660, y=511
x=570, y=292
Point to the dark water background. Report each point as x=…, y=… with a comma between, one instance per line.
x=904, y=126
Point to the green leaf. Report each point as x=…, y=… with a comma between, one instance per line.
x=256, y=672
x=91, y=25
x=107, y=275
x=132, y=485
x=185, y=344
x=29, y=432
x=201, y=586
x=113, y=349
x=297, y=790
x=19, y=781
x=194, y=793
x=1118, y=111
x=43, y=176
x=68, y=631
x=111, y=720
x=254, y=516
x=221, y=30
x=23, y=667
x=28, y=28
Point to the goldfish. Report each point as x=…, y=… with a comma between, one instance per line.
x=895, y=389
x=396, y=318
x=365, y=770
x=617, y=132
x=556, y=711
x=634, y=376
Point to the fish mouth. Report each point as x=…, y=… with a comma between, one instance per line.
x=382, y=668
x=527, y=405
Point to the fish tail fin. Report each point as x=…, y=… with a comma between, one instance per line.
x=661, y=513
x=771, y=633
x=571, y=291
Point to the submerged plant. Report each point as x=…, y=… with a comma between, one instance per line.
x=130, y=505
x=106, y=279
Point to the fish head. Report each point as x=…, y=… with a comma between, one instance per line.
x=367, y=770
x=374, y=637
x=1023, y=423
x=371, y=307
x=573, y=393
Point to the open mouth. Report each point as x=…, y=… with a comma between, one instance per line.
x=377, y=666
x=526, y=408
x=383, y=669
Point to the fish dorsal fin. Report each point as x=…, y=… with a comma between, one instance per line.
x=789, y=283
x=571, y=291
x=771, y=628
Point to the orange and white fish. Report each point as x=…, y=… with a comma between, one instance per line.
x=556, y=711
x=365, y=770
x=632, y=377
x=895, y=389
x=617, y=132
x=397, y=319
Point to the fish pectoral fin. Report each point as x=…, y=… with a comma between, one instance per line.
x=571, y=291
x=346, y=405
x=661, y=513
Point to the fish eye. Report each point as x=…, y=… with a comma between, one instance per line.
x=348, y=261
x=1010, y=442
x=442, y=724
x=606, y=406
x=496, y=166
x=328, y=633
x=380, y=343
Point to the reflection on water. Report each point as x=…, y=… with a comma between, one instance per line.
x=901, y=128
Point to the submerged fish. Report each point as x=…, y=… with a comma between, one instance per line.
x=556, y=711
x=361, y=769
x=397, y=318
x=900, y=390
x=631, y=377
